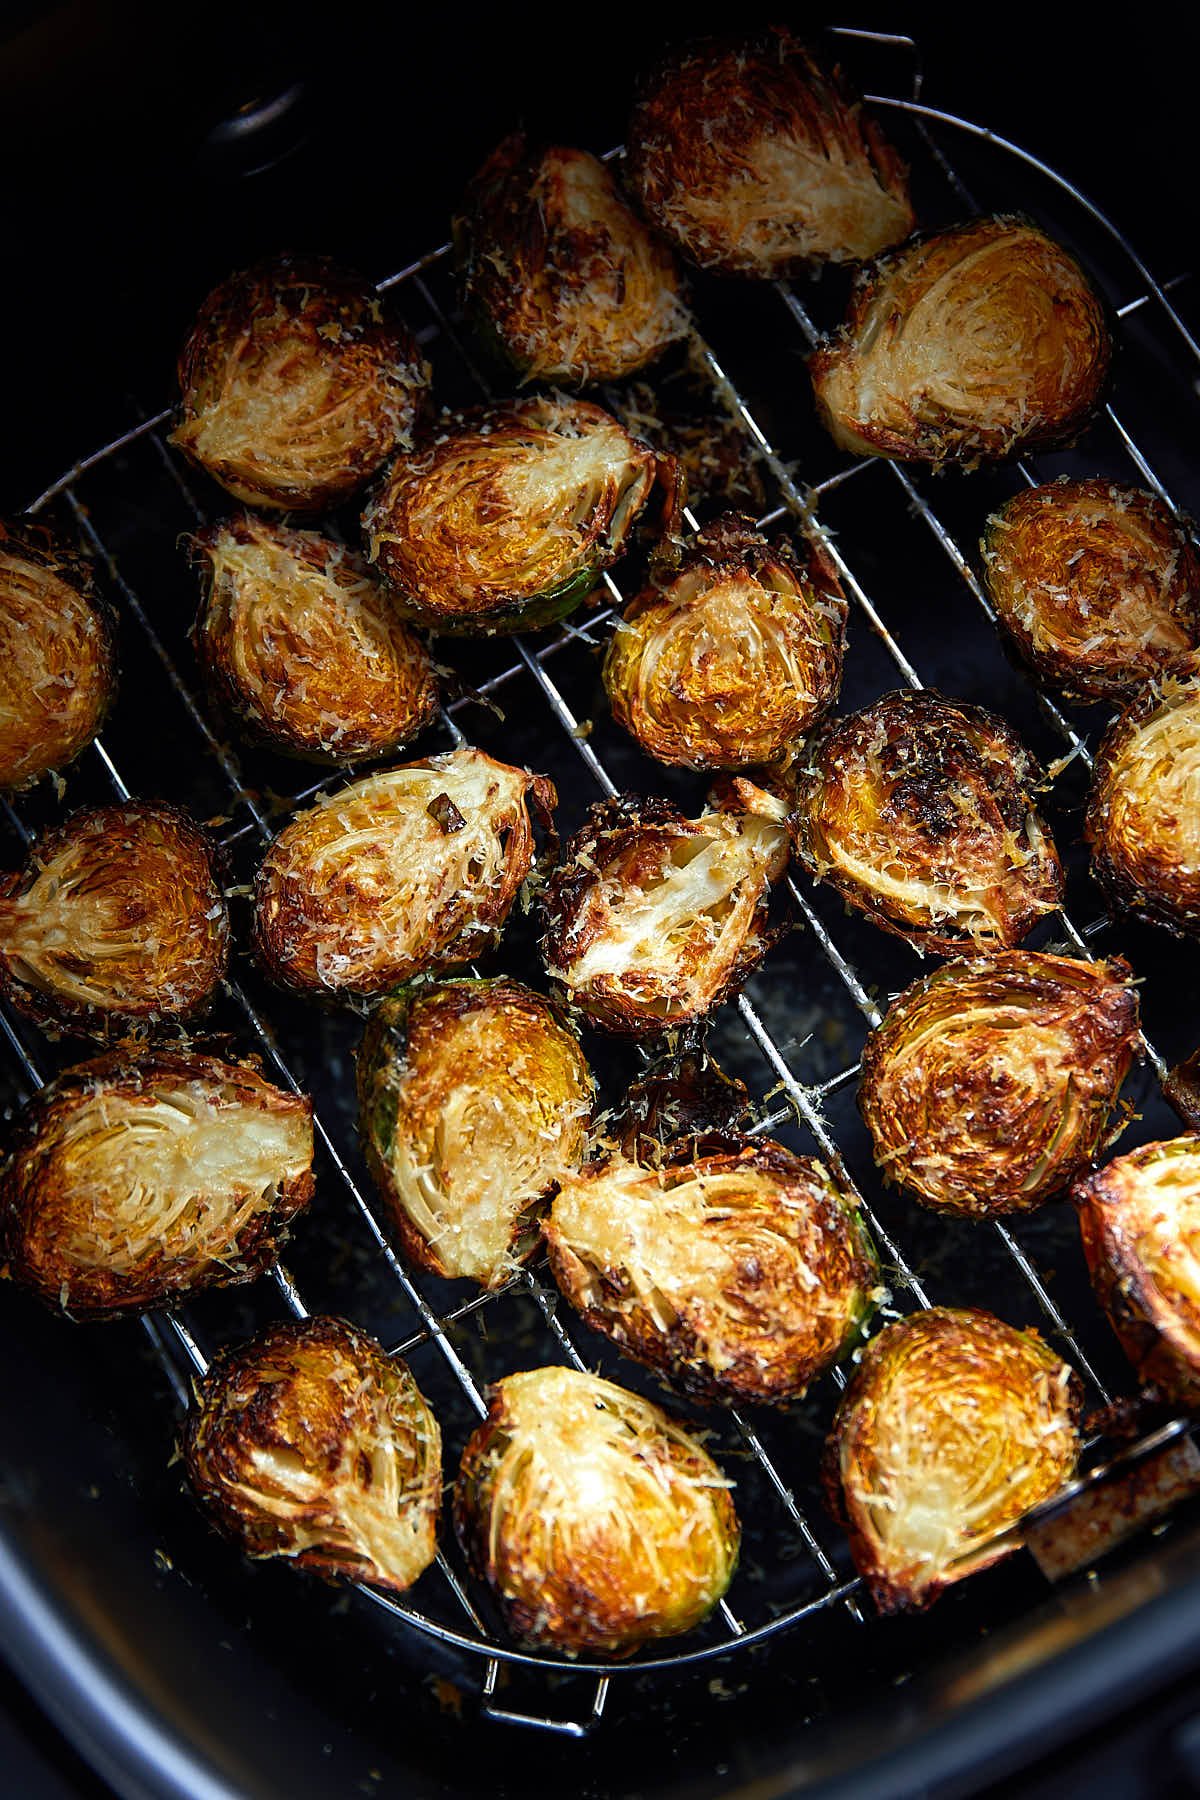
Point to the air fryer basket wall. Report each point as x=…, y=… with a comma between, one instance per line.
x=175, y=1664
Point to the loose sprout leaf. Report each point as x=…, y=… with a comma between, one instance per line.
x=1098, y=584
x=738, y=1275
x=654, y=918
x=297, y=385
x=954, y=1426
x=474, y=1102
x=1140, y=1221
x=1143, y=820
x=58, y=655
x=756, y=160
x=991, y=1082
x=963, y=346
x=917, y=811
x=301, y=644
x=560, y=271
x=136, y=1181
x=116, y=924
x=366, y=889
x=311, y=1443
x=739, y=654
x=597, y=1520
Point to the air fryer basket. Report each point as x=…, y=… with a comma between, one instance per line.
x=184, y=1670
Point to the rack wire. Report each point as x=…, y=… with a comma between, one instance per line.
x=438, y=1322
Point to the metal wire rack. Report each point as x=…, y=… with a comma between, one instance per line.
x=795, y=1030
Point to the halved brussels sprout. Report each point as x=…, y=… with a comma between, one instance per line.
x=312, y=1443
x=599, y=1523
x=116, y=924
x=954, y=1426
x=134, y=1181
x=1139, y=1217
x=653, y=918
x=301, y=644
x=560, y=271
x=736, y=657
x=917, y=811
x=965, y=346
x=474, y=1101
x=756, y=160
x=297, y=384
x=991, y=1082
x=1143, y=820
x=58, y=654
x=738, y=1275
x=506, y=519
x=400, y=874
x=1098, y=584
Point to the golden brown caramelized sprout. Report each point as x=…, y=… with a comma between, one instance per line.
x=560, y=271
x=1140, y=1221
x=134, y=1181
x=1098, y=584
x=737, y=1275
x=965, y=346
x=402, y=873
x=756, y=160
x=991, y=1082
x=58, y=655
x=297, y=385
x=653, y=918
x=954, y=1426
x=474, y=1101
x=116, y=924
x=735, y=658
x=310, y=1442
x=917, y=811
x=302, y=645
x=1143, y=821
x=506, y=519
x=598, y=1522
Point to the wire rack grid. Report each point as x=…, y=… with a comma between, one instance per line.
x=559, y=668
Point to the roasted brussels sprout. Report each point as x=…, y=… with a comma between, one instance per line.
x=400, y=874
x=652, y=919
x=991, y=1082
x=954, y=1426
x=738, y=1275
x=964, y=347
x=58, y=654
x=1098, y=584
x=506, y=519
x=599, y=1523
x=756, y=160
x=1139, y=1218
x=736, y=657
x=301, y=644
x=134, y=1181
x=917, y=811
x=474, y=1100
x=297, y=384
x=311, y=1442
x=116, y=924
x=560, y=272
x=1143, y=820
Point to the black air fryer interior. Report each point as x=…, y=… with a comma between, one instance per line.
x=178, y=1668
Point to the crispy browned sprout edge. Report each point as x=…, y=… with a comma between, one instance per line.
x=599, y=1523
x=311, y=1443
